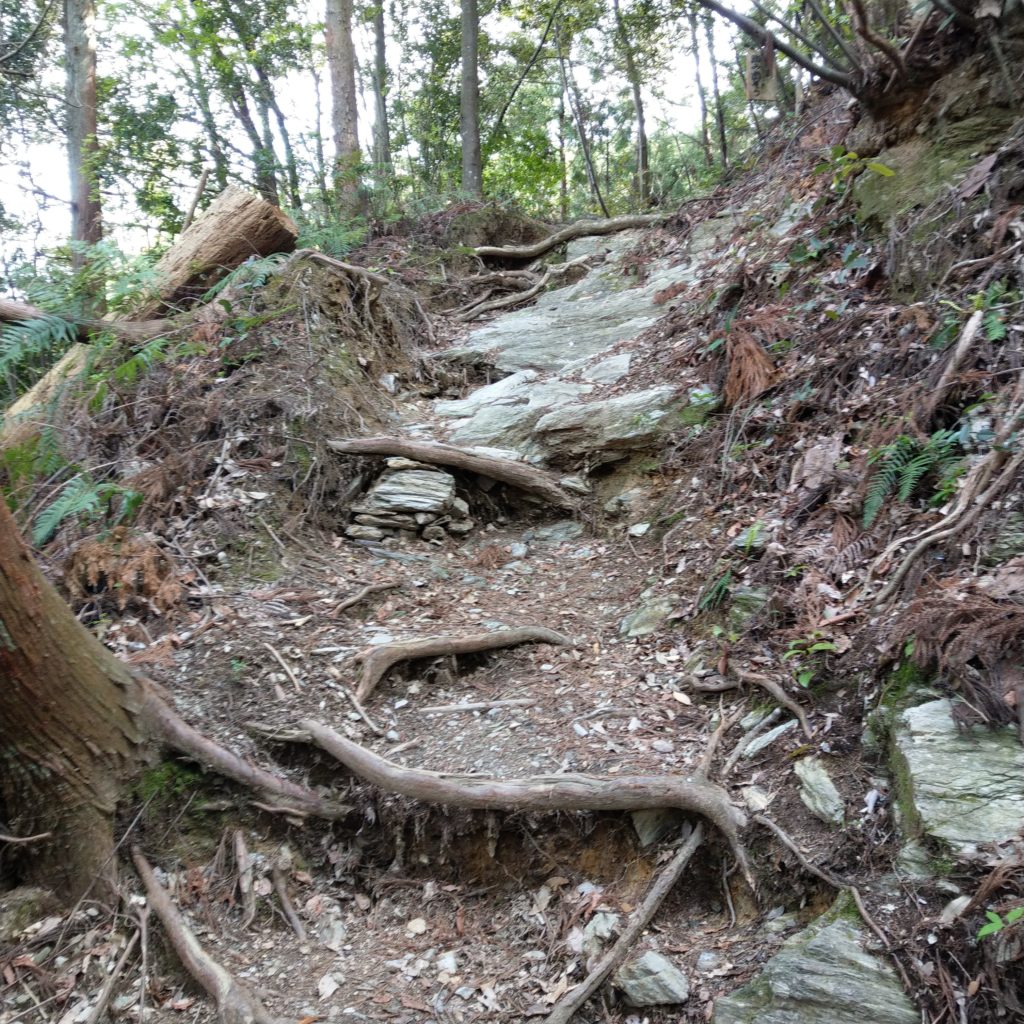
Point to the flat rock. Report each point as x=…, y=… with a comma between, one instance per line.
x=759, y=743
x=652, y=980
x=822, y=974
x=647, y=618
x=409, y=490
x=624, y=423
x=966, y=788
x=818, y=792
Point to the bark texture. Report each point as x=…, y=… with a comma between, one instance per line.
x=469, y=107
x=341, y=63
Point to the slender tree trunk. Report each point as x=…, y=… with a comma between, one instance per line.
x=570, y=90
x=69, y=732
x=705, y=137
x=201, y=94
x=563, y=181
x=381, y=129
x=643, y=168
x=83, y=148
x=472, y=162
x=723, y=147
x=341, y=63
x=320, y=168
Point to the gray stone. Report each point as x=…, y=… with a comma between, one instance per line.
x=21, y=907
x=818, y=791
x=966, y=788
x=647, y=618
x=409, y=490
x=359, y=532
x=822, y=974
x=627, y=501
x=624, y=423
x=509, y=390
x=557, y=533
x=599, y=929
x=435, y=534
x=638, y=529
x=401, y=462
x=652, y=980
x=396, y=521
x=759, y=743
x=575, y=483
x=744, y=604
x=460, y=527
x=655, y=823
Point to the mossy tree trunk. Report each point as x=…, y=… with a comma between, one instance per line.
x=70, y=734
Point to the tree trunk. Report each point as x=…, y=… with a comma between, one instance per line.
x=643, y=169
x=83, y=149
x=723, y=147
x=563, y=167
x=381, y=130
x=469, y=106
x=572, y=93
x=341, y=63
x=69, y=732
x=705, y=137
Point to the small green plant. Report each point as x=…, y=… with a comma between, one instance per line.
x=995, y=303
x=901, y=465
x=89, y=499
x=807, y=656
x=996, y=922
x=715, y=593
x=844, y=165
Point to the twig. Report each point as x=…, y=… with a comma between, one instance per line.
x=783, y=837
x=196, y=196
x=777, y=692
x=16, y=840
x=282, y=865
x=354, y=701
x=724, y=726
x=407, y=745
x=284, y=665
x=288, y=812
x=568, y=1005
x=244, y=862
x=481, y=705
x=935, y=396
x=108, y=986
x=235, y=1003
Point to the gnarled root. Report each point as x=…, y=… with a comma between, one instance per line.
x=543, y=792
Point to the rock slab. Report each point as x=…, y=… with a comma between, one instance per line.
x=822, y=974
x=652, y=980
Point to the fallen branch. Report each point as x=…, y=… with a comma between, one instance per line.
x=246, y=892
x=526, y=478
x=284, y=664
x=377, y=661
x=924, y=412
x=484, y=705
x=564, y=1010
x=361, y=595
x=103, y=998
x=581, y=229
x=235, y=1003
x=543, y=792
x=278, y=875
x=776, y=691
x=361, y=711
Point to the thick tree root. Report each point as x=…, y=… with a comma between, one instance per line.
x=235, y=1003
x=581, y=229
x=377, y=661
x=525, y=478
x=543, y=792
x=478, y=309
x=566, y=1008
x=168, y=726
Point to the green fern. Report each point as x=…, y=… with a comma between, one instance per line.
x=716, y=593
x=83, y=496
x=253, y=273
x=28, y=347
x=902, y=464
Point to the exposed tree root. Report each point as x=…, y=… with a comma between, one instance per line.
x=543, y=792
x=377, y=661
x=361, y=595
x=246, y=892
x=581, y=229
x=926, y=409
x=164, y=724
x=476, y=309
x=756, y=679
x=518, y=474
x=235, y=1003
x=569, y=1004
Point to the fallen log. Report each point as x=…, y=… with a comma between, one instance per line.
x=237, y=225
x=518, y=474
x=581, y=229
x=693, y=793
x=377, y=661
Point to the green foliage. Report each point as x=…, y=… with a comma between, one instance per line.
x=28, y=348
x=807, y=655
x=253, y=273
x=903, y=463
x=844, y=165
x=996, y=922
x=83, y=497
x=715, y=594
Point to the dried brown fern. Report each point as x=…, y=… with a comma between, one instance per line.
x=123, y=569
x=750, y=370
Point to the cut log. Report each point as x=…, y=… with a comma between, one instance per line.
x=517, y=474
x=237, y=225
x=581, y=229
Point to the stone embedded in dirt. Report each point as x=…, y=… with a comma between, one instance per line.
x=759, y=743
x=966, y=787
x=648, y=618
x=21, y=907
x=556, y=533
x=507, y=391
x=652, y=980
x=409, y=490
x=608, y=427
x=744, y=604
x=656, y=823
x=460, y=527
x=357, y=531
x=575, y=483
x=638, y=529
x=398, y=462
x=818, y=791
x=396, y=521
x=599, y=929
x=822, y=974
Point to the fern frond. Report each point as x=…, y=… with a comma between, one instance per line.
x=253, y=273
x=80, y=495
x=27, y=340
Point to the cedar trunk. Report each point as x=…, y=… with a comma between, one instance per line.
x=472, y=162
x=69, y=729
x=341, y=64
